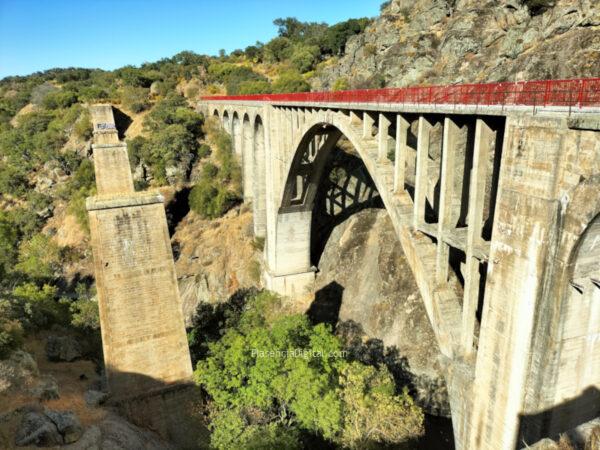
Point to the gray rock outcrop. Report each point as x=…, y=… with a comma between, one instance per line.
x=461, y=41
x=364, y=274
x=63, y=348
x=16, y=371
x=47, y=428
x=115, y=433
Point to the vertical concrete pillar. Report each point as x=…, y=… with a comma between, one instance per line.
x=449, y=151
x=383, y=137
x=368, y=123
x=523, y=240
x=481, y=153
x=355, y=118
x=143, y=333
x=421, y=181
x=248, y=154
x=402, y=126
x=289, y=270
x=258, y=133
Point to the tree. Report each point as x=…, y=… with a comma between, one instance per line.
x=59, y=99
x=278, y=49
x=8, y=244
x=272, y=372
x=335, y=38
x=305, y=57
x=369, y=401
x=39, y=257
x=135, y=99
x=291, y=82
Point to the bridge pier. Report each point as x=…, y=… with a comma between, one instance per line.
x=288, y=270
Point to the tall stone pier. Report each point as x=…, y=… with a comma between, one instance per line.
x=143, y=333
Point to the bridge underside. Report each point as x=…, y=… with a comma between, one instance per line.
x=498, y=216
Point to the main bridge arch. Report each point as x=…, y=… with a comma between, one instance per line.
x=289, y=265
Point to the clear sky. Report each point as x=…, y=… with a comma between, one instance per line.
x=41, y=34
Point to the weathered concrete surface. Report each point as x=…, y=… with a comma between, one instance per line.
x=143, y=333
x=501, y=244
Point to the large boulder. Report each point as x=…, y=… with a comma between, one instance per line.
x=63, y=348
x=115, y=433
x=46, y=388
x=48, y=428
x=17, y=371
x=37, y=429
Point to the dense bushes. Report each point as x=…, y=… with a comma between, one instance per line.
x=173, y=130
x=275, y=377
x=219, y=186
x=235, y=77
x=291, y=82
x=135, y=99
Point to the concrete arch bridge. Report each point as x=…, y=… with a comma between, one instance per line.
x=494, y=194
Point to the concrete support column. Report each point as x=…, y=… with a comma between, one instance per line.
x=248, y=165
x=368, y=123
x=449, y=152
x=271, y=123
x=421, y=181
x=402, y=126
x=259, y=181
x=288, y=270
x=477, y=181
x=383, y=137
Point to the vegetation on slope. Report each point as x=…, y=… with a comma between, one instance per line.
x=275, y=380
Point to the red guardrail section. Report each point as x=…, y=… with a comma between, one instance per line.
x=574, y=93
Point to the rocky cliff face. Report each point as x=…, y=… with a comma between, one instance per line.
x=365, y=282
x=460, y=41
x=214, y=258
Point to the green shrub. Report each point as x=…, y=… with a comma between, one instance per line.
x=39, y=257
x=305, y=57
x=38, y=307
x=135, y=99
x=8, y=244
x=341, y=84
x=209, y=171
x=255, y=87
x=83, y=127
x=59, y=99
x=204, y=151
x=277, y=50
x=211, y=200
x=84, y=310
x=290, y=82
x=273, y=372
x=11, y=336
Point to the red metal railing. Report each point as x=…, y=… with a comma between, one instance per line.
x=570, y=93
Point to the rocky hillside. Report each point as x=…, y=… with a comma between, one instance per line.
x=365, y=285
x=460, y=41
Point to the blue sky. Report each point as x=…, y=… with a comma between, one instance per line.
x=38, y=35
